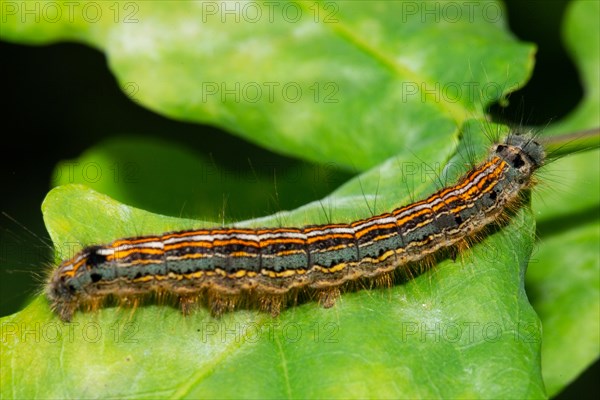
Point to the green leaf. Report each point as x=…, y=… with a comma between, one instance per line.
x=562, y=283
x=333, y=84
x=407, y=86
x=562, y=279
x=465, y=329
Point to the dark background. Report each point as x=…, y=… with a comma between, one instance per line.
x=61, y=99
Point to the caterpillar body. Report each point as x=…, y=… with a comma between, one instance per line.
x=267, y=268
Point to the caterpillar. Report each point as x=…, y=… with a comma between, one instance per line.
x=267, y=268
